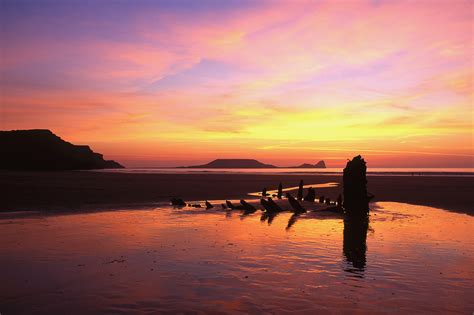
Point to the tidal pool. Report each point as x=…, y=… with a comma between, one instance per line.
x=407, y=259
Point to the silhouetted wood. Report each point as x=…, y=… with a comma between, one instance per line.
x=270, y=206
x=247, y=207
x=265, y=205
x=356, y=198
x=209, y=205
x=295, y=204
x=273, y=205
x=229, y=204
x=280, y=191
x=311, y=195
x=178, y=202
x=300, y=191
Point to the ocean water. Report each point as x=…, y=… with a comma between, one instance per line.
x=407, y=258
x=300, y=171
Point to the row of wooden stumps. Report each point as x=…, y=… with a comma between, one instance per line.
x=356, y=198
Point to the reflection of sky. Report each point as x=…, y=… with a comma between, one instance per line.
x=190, y=258
x=346, y=77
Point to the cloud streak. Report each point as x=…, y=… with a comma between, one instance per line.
x=240, y=74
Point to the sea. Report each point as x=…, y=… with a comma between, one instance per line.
x=300, y=171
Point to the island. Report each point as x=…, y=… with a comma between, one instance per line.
x=320, y=164
x=250, y=163
x=42, y=150
x=234, y=163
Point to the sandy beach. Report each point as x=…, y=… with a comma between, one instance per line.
x=76, y=190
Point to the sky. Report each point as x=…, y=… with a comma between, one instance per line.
x=168, y=83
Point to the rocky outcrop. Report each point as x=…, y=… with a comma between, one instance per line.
x=320, y=164
x=234, y=163
x=42, y=150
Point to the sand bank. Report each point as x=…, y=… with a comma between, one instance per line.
x=75, y=190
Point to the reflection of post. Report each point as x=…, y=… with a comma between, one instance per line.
x=355, y=241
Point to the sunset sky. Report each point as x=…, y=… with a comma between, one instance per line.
x=163, y=83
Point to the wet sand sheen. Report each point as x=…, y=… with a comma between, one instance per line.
x=409, y=258
x=93, y=190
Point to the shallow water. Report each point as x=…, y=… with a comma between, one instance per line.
x=373, y=171
x=408, y=259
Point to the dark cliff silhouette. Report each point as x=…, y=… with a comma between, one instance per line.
x=356, y=198
x=320, y=164
x=234, y=163
x=42, y=150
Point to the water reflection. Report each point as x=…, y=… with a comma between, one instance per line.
x=268, y=216
x=355, y=243
x=182, y=260
x=292, y=220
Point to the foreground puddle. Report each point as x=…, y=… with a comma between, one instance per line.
x=408, y=258
x=288, y=189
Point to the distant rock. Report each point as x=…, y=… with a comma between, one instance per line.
x=234, y=163
x=320, y=164
x=42, y=150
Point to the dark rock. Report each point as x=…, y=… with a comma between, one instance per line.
x=41, y=150
x=320, y=164
x=209, y=205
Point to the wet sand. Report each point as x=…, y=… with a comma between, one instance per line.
x=196, y=261
x=76, y=190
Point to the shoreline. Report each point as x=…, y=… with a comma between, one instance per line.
x=82, y=191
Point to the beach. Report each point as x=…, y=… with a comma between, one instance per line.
x=84, y=191
x=105, y=242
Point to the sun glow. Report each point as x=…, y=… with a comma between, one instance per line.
x=281, y=82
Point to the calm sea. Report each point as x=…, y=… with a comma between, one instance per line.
x=300, y=171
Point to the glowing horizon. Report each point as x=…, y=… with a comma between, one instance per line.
x=178, y=83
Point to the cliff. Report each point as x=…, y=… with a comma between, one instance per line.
x=234, y=163
x=41, y=150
